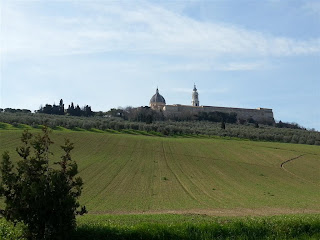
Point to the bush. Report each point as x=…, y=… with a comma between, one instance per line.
x=43, y=198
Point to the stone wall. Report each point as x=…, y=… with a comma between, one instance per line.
x=262, y=115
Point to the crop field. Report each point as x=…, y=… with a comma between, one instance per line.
x=134, y=174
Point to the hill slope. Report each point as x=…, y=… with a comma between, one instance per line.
x=125, y=173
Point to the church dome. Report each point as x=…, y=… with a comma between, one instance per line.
x=157, y=98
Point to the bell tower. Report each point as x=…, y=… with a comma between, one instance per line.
x=195, y=97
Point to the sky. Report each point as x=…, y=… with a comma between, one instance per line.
x=109, y=54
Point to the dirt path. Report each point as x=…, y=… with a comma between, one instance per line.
x=292, y=159
x=283, y=163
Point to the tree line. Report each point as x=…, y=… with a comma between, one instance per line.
x=71, y=110
x=14, y=110
x=168, y=128
x=148, y=115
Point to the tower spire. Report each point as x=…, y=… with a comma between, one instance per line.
x=195, y=97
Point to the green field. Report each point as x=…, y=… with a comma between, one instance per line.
x=125, y=174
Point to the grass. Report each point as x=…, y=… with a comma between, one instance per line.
x=197, y=227
x=185, y=227
x=60, y=129
x=7, y=126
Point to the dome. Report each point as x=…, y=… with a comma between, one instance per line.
x=157, y=98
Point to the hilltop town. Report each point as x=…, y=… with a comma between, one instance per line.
x=158, y=102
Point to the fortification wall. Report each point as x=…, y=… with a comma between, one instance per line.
x=264, y=115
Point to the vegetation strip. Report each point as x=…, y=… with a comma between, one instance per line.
x=288, y=133
x=185, y=227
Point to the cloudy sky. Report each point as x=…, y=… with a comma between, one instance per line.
x=115, y=53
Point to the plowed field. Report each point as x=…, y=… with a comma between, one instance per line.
x=135, y=174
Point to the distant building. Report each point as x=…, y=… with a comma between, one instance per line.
x=157, y=102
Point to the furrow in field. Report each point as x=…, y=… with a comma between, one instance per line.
x=186, y=166
x=227, y=180
x=106, y=184
x=87, y=154
x=177, y=178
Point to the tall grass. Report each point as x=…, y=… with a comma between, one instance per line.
x=280, y=227
x=184, y=227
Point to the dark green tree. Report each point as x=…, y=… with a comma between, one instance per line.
x=77, y=111
x=71, y=109
x=45, y=199
x=61, y=107
x=87, y=112
x=47, y=109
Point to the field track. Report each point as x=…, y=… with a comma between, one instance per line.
x=292, y=159
x=289, y=160
x=134, y=174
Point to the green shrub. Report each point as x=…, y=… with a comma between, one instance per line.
x=43, y=198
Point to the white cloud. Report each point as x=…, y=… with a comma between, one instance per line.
x=241, y=66
x=139, y=28
x=193, y=66
x=214, y=66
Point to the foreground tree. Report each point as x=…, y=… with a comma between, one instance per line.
x=43, y=198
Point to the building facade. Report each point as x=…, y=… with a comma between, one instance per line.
x=157, y=102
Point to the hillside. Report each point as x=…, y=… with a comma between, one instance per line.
x=133, y=173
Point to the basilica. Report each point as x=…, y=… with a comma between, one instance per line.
x=157, y=102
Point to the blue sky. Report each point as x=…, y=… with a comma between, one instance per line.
x=115, y=53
